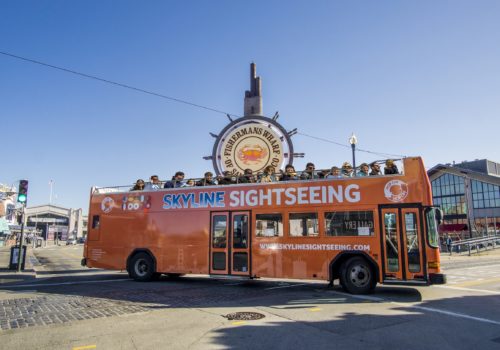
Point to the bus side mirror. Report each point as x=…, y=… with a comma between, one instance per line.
x=439, y=216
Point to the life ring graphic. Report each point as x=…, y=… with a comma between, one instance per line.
x=396, y=190
x=107, y=204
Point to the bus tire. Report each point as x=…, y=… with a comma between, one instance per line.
x=142, y=267
x=357, y=276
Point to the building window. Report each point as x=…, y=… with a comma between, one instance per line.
x=448, y=192
x=485, y=195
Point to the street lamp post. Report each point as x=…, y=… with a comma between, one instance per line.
x=353, y=141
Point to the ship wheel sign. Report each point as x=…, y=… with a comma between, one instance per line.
x=252, y=141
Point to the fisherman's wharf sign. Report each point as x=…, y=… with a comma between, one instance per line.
x=251, y=147
x=252, y=143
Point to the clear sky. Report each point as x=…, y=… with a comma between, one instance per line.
x=407, y=77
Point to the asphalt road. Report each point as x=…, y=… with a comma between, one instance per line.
x=70, y=307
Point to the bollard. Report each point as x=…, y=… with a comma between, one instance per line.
x=469, y=248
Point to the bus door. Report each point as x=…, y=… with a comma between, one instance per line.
x=402, y=243
x=230, y=243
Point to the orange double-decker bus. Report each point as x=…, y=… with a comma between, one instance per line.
x=360, y=230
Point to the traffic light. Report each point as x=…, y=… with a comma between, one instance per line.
x=22, y=193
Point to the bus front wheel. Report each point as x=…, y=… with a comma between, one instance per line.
x=142, y=267
x=357, y=276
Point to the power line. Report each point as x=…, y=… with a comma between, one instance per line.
x=175, y=99
x=117, y=84
x=348, y=146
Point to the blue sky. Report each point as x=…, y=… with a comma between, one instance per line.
x=407, y=77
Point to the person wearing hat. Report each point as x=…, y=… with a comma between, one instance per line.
x=375, y=169
x=390, y=168
x=347, y=170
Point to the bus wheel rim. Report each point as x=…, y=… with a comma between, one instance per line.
x=141, y=267
x=359, y=275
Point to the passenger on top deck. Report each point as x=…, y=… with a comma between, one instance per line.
x=154, y=184
x=139, y=185
x=227, y=179
x=390, y=168
x=290, y=174
x=177, y=181
x=189, y=183
x=208, y=180
x=363, y=170
x=334, y=173
x=347, y=170
x=309, y=174
x=268, y=175
x=375, y=169
x=247, y=177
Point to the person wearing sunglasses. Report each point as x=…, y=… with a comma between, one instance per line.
x=309, y=173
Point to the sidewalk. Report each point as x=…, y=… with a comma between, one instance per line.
x=449, y=261
x=13, y=277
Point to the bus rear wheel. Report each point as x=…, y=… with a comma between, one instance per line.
x=357, y=276
x=142, y=267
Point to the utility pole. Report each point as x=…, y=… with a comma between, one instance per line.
x=21, y=239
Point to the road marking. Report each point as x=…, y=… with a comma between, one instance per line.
x=288, y=286
x=314, y=309
x=417, y=307
x=63, y=283
x=477, y=281
x=85, y=347
x=470, y=289
x=449, y=313
x=237, y=323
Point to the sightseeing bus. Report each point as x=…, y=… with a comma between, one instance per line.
x=360, y=230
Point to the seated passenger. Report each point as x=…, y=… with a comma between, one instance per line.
x=177, y=181
x=334, y=173
x=154, y=183
x=247, y=177
x=375, y=169
x=189, y=183
x=363, y=170
x=390, y=168
x=268, y=175
x=208, y=180
x=290, y=174
x=227, y=179
x=308, y=174
x=347, y=170
x=139, y=185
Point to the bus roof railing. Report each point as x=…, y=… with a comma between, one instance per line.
x=237, y=178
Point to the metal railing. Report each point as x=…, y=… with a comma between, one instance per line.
x=238, y=179
x=475, y=244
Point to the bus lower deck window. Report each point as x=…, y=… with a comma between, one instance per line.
x=303, y=224
x=269, y=225
x=349, y=223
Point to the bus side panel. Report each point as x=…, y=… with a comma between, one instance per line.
x=181, y=239
x=311, y=262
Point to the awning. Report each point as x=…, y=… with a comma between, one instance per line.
x=452, y=228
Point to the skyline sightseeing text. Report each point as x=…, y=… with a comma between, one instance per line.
x=264, y=197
